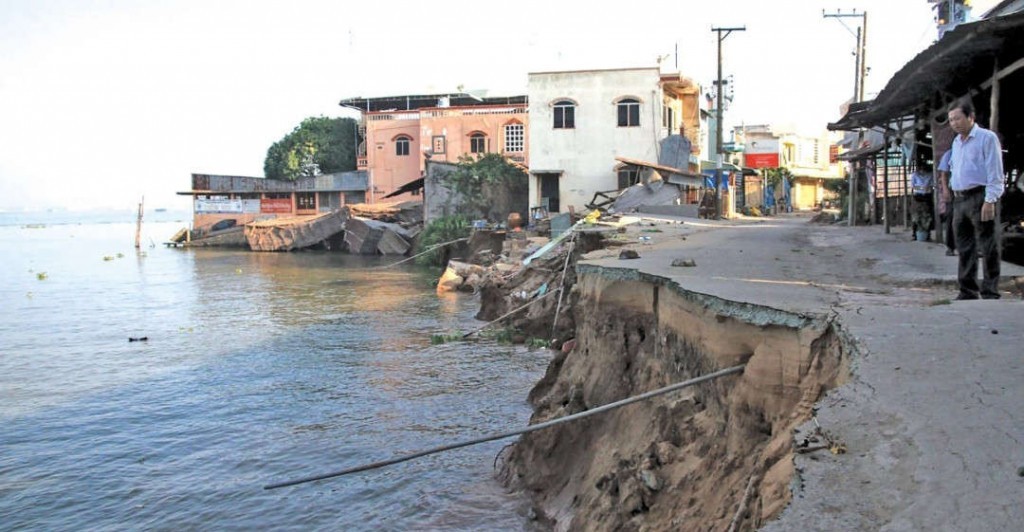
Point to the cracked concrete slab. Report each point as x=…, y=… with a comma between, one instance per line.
x=933, y=414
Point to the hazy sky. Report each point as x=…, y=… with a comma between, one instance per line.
x=104, y=101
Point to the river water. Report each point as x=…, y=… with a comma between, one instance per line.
x=258, y=368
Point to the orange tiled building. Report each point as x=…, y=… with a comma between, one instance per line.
x=400, y=132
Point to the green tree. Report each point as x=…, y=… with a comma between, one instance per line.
x=490, y=186
x=317, y=145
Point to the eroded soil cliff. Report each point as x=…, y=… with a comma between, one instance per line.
x=712, y=457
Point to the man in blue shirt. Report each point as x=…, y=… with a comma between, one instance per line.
x=976, y=164
x=921, y=208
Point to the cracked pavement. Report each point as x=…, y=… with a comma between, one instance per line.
x=933, y=413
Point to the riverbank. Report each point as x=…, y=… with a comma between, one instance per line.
x=810, y=308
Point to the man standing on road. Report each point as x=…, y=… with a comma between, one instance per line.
x=977, y=183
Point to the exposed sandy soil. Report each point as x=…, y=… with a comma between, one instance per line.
x=706, y=458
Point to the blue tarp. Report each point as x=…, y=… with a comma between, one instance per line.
x=709, y=177
x=769, y=196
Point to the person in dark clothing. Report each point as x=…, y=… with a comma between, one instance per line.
x=946, y=204
x=977, y=181
x=921, y=209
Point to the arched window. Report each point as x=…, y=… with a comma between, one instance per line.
x=402, y=145
x=477, y=142
x=629, y=112
x=565, y=114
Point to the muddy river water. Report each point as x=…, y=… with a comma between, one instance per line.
x=255, y=368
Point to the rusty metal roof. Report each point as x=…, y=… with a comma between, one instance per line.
x=962, y=60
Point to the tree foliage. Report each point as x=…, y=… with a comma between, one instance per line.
x=439, y=231
x=490, y=186
x=774, y=176
x=317, y=145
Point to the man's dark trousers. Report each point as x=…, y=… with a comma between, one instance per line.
x=973, y=235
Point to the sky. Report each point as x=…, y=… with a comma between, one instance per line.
x=104, y=102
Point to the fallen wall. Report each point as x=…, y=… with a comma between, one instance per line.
x=708, y=458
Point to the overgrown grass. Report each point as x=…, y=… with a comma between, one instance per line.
x=444, y=229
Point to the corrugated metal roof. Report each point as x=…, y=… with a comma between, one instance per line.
x=418, y=101
x=963, y=59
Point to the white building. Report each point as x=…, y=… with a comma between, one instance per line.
x=810, y=158
x=581, y=121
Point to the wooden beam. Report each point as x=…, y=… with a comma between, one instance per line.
x=1000, y=74
x=993, y=120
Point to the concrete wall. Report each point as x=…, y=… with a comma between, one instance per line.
x=585, y=155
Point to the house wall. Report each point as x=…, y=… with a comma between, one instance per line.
x=455, y=125
x=387, y=170
x=585, y=155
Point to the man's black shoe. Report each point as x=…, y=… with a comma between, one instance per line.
x=990, y=296
x=965, y=297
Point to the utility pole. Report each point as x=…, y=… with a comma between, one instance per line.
x=718, y=121
x=859, y=73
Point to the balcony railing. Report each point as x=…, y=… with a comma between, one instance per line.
x=473, y=111
x=361, y=163
x=405, y=115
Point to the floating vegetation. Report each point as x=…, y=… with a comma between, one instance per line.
x=120, y=255
x=438, y=339
x=238, y=270
x=108, y=258
x=41, y=276
x=537, y=343
x=34, y=226
x=502, y=336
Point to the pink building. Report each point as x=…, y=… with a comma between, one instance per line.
x=400, y=132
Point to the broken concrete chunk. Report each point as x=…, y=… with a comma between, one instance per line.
x=628, y=254
x=688, y=263
x=449, y=281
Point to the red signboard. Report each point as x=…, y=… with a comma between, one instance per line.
x=761, y=160
x=276, y=205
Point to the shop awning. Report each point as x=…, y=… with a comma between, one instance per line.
x=954, y=65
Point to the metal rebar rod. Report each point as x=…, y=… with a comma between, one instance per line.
x=531, y=428
x=428, y=250
x=509, y=313
x=561, y=284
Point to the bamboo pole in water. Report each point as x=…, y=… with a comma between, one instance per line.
x=138, y=223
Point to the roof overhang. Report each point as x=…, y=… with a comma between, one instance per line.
x=964, y=59
x=415, y=184
x=659, y=167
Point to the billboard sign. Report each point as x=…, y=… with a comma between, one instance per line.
x=761, y=160
x=276, y=205
x=218, y=205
